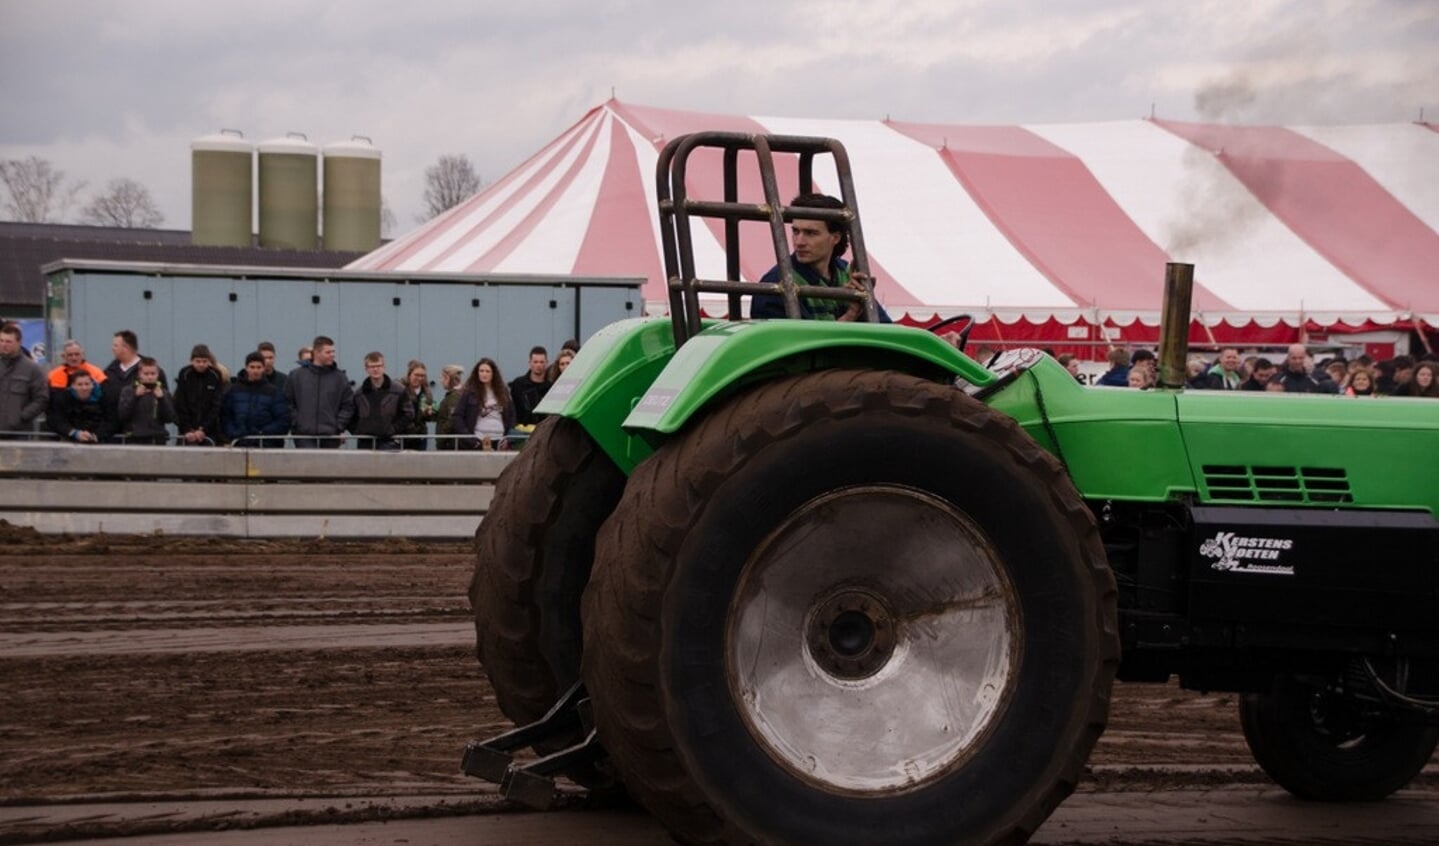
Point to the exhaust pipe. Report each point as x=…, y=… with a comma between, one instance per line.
x=1174, y=325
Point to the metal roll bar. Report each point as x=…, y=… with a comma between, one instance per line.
x=677, y=209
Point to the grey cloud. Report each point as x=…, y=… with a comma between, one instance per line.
x=496, y=80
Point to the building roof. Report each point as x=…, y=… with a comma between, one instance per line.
x=1327, y=224
x=27, y=247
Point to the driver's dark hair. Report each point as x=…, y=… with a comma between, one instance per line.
x=825, y=201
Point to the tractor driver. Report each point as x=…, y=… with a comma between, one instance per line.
x=818, y=247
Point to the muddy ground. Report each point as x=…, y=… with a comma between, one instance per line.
x=324, y=682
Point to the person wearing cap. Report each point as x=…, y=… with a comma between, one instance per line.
x=253, y=412
x=452, y=377
x=199, y=387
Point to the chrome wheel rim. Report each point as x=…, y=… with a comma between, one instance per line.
x=873, y=640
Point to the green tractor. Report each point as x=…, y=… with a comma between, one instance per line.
x=802, y=582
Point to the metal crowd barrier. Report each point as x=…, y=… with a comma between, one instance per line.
x=515, y=439
x=58, y=487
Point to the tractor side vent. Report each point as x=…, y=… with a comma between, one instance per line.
x=1310, y=485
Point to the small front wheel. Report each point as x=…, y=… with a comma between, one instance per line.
x=1318, y=744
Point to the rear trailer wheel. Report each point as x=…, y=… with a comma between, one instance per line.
x=1317, y=744
x=534, y=550
x=850, y=608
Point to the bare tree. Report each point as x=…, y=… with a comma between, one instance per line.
x=449, y=182
x=38, y=193
x=125, y=203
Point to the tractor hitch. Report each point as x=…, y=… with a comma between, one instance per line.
x=533, y=783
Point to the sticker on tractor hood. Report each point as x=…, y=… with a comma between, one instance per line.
x=1239, y=554
x=657, y=400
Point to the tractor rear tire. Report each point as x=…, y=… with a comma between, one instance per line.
x=1322, y=746
x=534, y=550
x=850, y=607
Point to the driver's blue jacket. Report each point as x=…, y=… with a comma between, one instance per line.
x=765, y=306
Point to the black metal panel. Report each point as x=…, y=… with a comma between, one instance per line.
x=1340, y=569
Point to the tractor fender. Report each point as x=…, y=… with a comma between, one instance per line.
x=609, y=359
x=606, y=380
x=726, y=356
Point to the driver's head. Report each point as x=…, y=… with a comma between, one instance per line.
x=815, y=235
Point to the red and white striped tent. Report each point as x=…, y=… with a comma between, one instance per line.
x=1052, y=234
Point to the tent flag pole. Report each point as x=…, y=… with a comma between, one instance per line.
x=1096, y=332
x=1208, y=332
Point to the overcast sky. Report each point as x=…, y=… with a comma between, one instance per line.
x=119, y=89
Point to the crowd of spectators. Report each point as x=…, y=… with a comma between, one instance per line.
x=313, y=406
x=1298, y=372
x=316, y=406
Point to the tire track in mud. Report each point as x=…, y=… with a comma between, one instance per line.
x=377, y=635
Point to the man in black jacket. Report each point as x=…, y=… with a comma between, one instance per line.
x=199, y=389
x=527, y=391
x=322, y=403
x=1259, y=376
x=380, y=407
x=121, y=373
x=1294, y=376
x=273, y=376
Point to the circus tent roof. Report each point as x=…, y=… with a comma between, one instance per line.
x=1057, y=222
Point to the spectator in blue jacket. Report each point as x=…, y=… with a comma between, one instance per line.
x=1117, y=376
x=254, y=408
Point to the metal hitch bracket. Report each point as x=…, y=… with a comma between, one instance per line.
x=533, y=784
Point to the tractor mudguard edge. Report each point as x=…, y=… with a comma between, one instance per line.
x=725, y=355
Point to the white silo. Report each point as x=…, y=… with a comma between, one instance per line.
x=352, y=195
x=289, y=193
x=222, y=185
